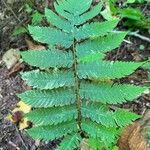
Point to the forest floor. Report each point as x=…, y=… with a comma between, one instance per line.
x=11, y=83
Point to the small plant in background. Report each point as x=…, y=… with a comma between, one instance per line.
x=35, y=16
x=132, y=17
x=73, y=87
x=136, y=1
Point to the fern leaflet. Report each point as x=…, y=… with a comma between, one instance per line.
x=70, y=142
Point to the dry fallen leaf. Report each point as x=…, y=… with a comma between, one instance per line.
x=21, y=106
x=17, y=115
x=145, y=124
x=137, y=56
x=84, y=145
x=17, y=67
x=33, y=46
x=24, y=124
x=132, y=139
x=11, y=57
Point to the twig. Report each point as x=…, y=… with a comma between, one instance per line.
x=128, y=42
x=20, y=137
x=9, y=8
x=136, y=35
x=139, y=36
x=145, y=6
x=13, y=145
x=19, y=134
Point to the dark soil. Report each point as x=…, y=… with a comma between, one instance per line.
x=10, y=137
x=9, y=87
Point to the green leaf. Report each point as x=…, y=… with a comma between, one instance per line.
x=142, y=1
x=95, y=144
x=70, y=142
x=28, y=8
x=52, y=116
x=51, y=36
x=100, y=44
x=99, y=69
x=56, y=58
x=19, y=30
x=92, y=57
x=101, y=114
x=115, y=148
x=52, y=132
x=107, y=14
x=72, y=7
x=106, y=135
x=124, y=117
x=112, y=6
x=131, y=1
x=45, y=80
x=111, y=94
x=131, y=13
x=48, y=98
x=141, y=47
x=147, y=64
x=74, y=12
x=37, y=18
x=57, y=21
x=95, y=29
x=62, y=12
x=88, y=15
x=149, y=75
x=98, y=113
x=140, y=24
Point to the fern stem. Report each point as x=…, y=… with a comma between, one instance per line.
x=77, y=85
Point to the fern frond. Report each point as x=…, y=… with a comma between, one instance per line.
x=56, y=58
x=124, y=117
x=70, y=142
x=52, y=116
x=52, y=132
x=47, y=80
x=100, y=44
x=99, y=114
x=99, y=69
x=95, y=29
x=51, y=36
x=57, y=21
x=106, y=135
x=48, y=98
x=74, y=84
x=108, y=93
